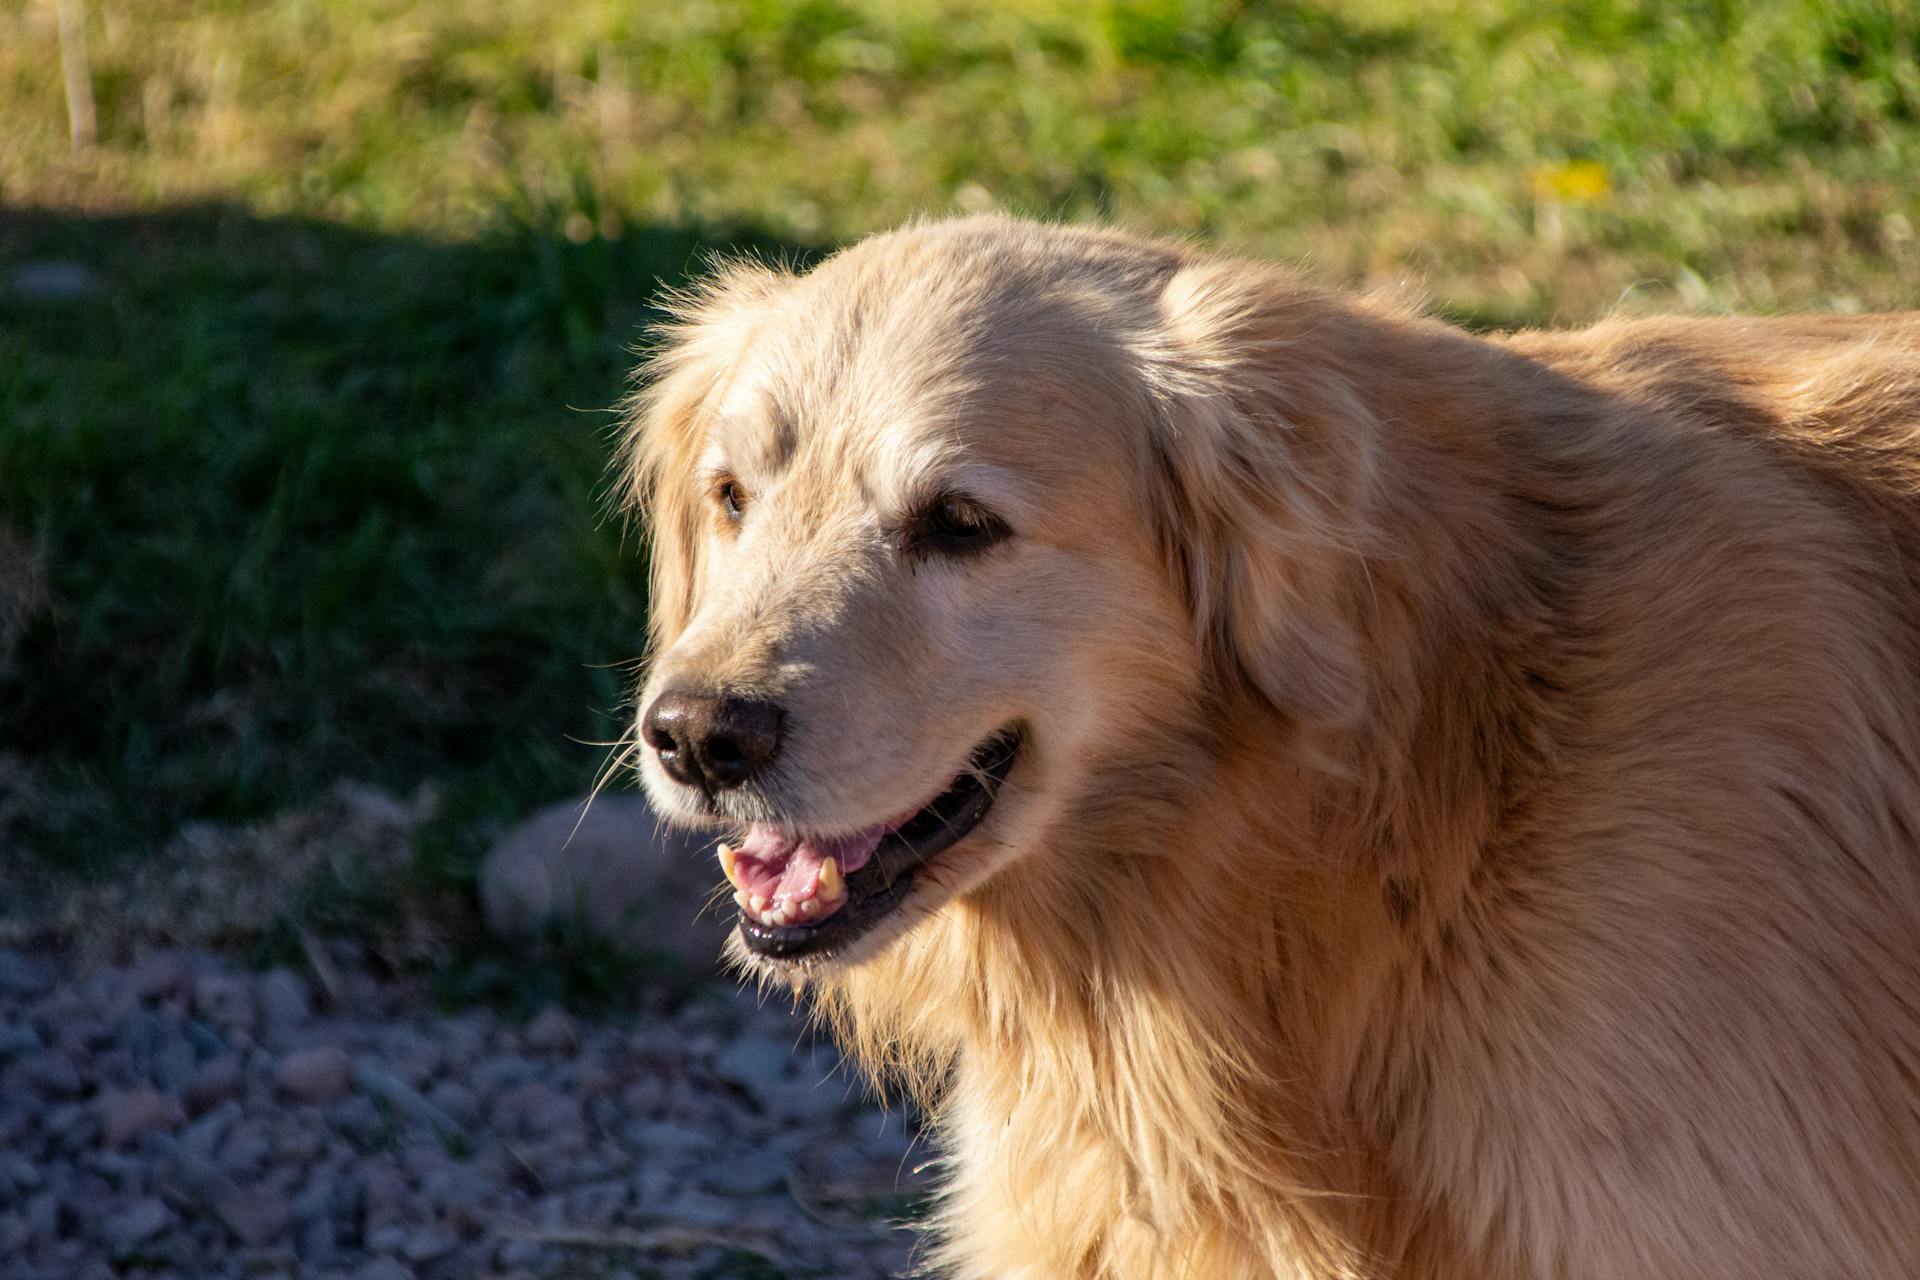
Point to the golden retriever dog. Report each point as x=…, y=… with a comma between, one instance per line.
x=1299, y=789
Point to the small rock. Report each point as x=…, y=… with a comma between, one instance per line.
x=16, y=1040
x=54, y=280
x=136, y=1224
x=202, y=1138
x=315, y=1075
x=358, y=1119
x=172, y=1064
x=207, y=1043
x=503, y=1071
x=597, y=1203
x=428, y=1243
x=661, y=1138
x=129, y=1114
x=316, y=1201
x=456, y=1190
x=318, y=1241
x=747, y=1176
x=387, y=1239
x=247, y=1149
x=285, y=1000
x=384, y=1269
x=159, y=974
x=554, y=1031
x=386, y=1200
x=25, y=975
x=226, y=1001
x=536, y=1110
x=49, y=1074
x=609, y=868
x=256, y=1215
x=456, y=1100
x=212, y=1083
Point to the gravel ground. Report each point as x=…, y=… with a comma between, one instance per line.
x=182, y=1118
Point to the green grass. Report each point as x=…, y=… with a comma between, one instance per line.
x=316, y=476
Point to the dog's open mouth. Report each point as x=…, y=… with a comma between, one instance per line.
x=801, y=896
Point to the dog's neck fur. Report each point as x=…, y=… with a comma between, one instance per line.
x=1336, y=886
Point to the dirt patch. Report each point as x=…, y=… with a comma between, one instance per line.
x=343, y=862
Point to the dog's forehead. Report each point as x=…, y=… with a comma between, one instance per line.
x=899, y=399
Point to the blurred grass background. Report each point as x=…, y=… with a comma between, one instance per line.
x=311, y=313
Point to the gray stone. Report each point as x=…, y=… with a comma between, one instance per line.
x=202, y=1138
x=136, y=1224
x=315, y=1201
x=129, y=1114
x=207, y=1042
x=213, y=1082
x=386, y=1199
x=536, y=1110
x=285, y=1000
x=22, y=974
x=411, y=1056
x=22, y=1173
x=48, y=1074
x=16, y=1039
x=456, y=1190
x=597, y=1203
x=424, y=1244
x=792, y=1086
x=388, y=1239
x=744, y=1176
x=317, y=1075
x=554, y=1031
x=72, y=1125
x=159, y=974
x=256, y=1215
x=247, y=1149
x=612, y=872
x=358, y=1119
x=54, y=280
x=661, y=1138
x=456, y=1100
x=227, y=1002
x=172, y=1064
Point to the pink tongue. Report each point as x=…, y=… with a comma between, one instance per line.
x=774, y=865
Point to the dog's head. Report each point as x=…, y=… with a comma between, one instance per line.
x=967, y=547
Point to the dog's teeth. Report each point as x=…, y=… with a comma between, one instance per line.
x=740, y=898
x=758, y=902
x=830, y=882
x=810, y=907
x=726, y=863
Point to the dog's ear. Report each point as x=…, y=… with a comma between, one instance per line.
x=1265, y=481
x=694, y=349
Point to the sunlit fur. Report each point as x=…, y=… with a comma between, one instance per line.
x=1468, y=828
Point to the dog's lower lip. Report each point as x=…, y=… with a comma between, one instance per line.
x=882, y=884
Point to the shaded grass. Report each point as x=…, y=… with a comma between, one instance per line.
x=313, y=504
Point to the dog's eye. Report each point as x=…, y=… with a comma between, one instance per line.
x=954, y=525
x=733, y=499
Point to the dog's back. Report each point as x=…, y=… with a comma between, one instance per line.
x=1672, y=1020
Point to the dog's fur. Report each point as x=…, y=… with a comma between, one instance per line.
x=1469, y=825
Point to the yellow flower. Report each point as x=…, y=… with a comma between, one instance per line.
x=1580, y=181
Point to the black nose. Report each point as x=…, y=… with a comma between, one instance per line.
x=711, y=741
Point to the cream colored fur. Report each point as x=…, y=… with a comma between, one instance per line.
x=1468, y=823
